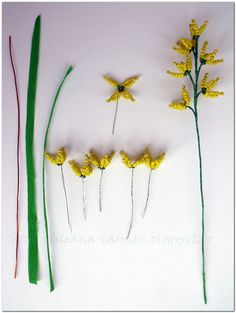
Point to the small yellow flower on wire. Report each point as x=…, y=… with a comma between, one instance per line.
x=121, y=91
x=184, y=104
x=207, y=86
x=82, y=171
x=153, y=164
x=131, y=164
x=208, y=58
x=101, y=163
x=195, y=30
x=59, y=159
x=183, y=67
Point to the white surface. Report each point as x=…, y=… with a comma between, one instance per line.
x=159, y=268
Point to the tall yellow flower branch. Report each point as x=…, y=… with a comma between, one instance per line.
x=190, y=48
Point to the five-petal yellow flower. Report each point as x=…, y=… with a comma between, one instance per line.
x=121, y=88
x=58, y=158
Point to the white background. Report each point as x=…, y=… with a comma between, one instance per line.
x=159, y=268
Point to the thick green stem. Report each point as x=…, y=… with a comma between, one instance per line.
x=196, y=94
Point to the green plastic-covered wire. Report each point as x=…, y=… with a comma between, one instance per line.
x=30, y=167
x=43, y=174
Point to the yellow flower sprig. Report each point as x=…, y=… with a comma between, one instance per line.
x=101, y=163
x=128, y=162
x=121, y=91
x=82, y=171
x=59, y=159
x=195, y=30
x=208, y=58
x=153, y=164
x=205, y=88
x=183, y=67
x=184, y=104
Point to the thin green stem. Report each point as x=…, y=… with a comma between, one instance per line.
x=196, y=94
x=43, y=175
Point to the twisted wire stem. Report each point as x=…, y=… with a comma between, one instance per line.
x=83, y=194
x=17, y=156
x=195, y=113
x=148, y=193
x=114, y=121
x=132, y=202
x=66, y=198
x=100, y=191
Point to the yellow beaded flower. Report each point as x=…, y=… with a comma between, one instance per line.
x=150, y=162
x=195, y=30
x=184, y=46
x=82, y=171
x=183, y=67
x=207, y=87
x=208, y=58
x=182, y=105
x=121, y=88
x=102, y=162
x=127, y=161
x=58, y=158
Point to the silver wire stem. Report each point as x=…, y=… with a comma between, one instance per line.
x=114, y=122
x=132, y=202
x=83, y=193
x=100, y=191
x=148, y=193
x=66, y=199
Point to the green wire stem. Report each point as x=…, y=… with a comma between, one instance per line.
x=43, y=174
x=195, y=113
x=30, y=166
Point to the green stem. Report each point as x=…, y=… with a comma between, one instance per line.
x=196, y=94
x=43, y=174
x=30, y=166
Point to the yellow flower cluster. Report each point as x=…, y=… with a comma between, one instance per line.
x=208, y=58
x=184, y=46
x=183, y=67
x=82, y=171
x=102, y=162
x=150, y=162
x=58, y=158
x=195, y=30
x=128, y=162
x=121, y=88
x=207, y=86
x=145, y=158
x=182, y=105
